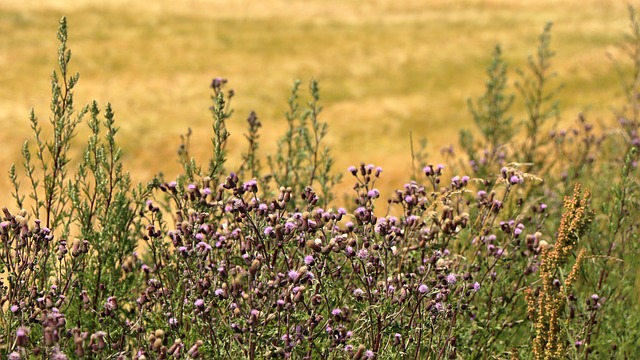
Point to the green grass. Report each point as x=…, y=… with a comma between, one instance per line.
x=384, y=68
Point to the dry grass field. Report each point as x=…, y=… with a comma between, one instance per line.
x=385, y=68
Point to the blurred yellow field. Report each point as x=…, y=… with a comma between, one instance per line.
x=385, y=68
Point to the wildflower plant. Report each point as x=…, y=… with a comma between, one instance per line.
x=263, y=261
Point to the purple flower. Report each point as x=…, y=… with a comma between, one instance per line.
x=173, y=322
x=369, y=354
x=476, y=286
x=451, y=279
x=423, y=288
x=358, y=292
x=514, y=180
x=363, y=254
x=251, y=185
x=308, y=260
x=353, y=170
x=293, y=275
x=199, y=303
x=219, y=292
x=22, y=337
x=203, y=247
x=336, y=312
x=349, y=251
x=373, y=194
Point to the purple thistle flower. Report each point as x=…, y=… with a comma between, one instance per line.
x=476, y=286
x=373, y=194
x=173, y=322
x=203, y=246
x=423, y=288
x=22, y=337
x=451, y=279
x=308, y=260
x=349, y=251
x=293, y=275
x=199, y=303
x=336, y=312
x=369, y=354
x=251, y=185
x=363, y=254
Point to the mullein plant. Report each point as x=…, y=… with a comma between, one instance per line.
x=262, y=262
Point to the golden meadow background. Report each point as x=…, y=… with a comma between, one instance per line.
x=385, y=68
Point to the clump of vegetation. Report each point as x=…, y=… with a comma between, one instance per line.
x=261, y=262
